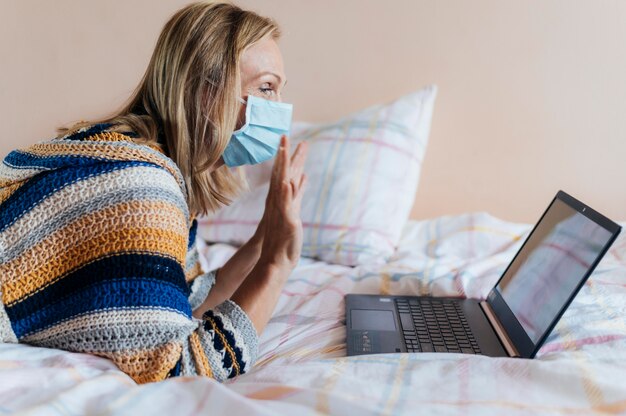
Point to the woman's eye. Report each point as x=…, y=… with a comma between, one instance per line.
x=267, y=91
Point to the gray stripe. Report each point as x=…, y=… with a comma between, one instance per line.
x=144, y=149
x=108, y=198
x=188, y=367
x=200, y=288
x=229, y=310
x=192, y=257
x=104, y=335
x=2, y=251
x=6, y=330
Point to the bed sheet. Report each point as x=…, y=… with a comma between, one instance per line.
x=302, y=368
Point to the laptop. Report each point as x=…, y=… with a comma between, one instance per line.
x=520, y=311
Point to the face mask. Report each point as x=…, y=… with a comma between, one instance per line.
x=259, y=138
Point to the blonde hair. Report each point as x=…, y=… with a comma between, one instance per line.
x=188, y=95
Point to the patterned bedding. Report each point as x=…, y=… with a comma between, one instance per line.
x=302, y=368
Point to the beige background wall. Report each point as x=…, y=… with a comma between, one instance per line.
x=532, y=94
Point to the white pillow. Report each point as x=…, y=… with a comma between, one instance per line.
x=363, y=172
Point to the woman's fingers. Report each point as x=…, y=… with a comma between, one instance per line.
x=288, y=179
x=300, y=193
x=298, y=159
x=297, y=186
x=303, y=179
x=284, y=159
x=301, y=184
x=277, y=169
x=289, y=168
x=299, y=155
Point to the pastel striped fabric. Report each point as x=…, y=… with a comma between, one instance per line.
x=98, y=255
x=302, y=368
x=363, y=172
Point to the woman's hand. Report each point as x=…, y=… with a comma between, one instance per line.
x=282, y=237
x=254, y=275
x=281, y=223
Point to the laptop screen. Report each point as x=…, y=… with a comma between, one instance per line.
x=554, y=261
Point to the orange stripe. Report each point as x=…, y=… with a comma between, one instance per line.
x=146, y=366
x=107, y=137
x=193, y=272
x=397, y=385
x=323, y=404
x=113, y=230
x=273, y=393
x=101, y=150
x=201, y=360
x=7, y=191
x=118, y=137
x=385, y=284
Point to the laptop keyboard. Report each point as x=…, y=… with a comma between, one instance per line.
x=435, y=325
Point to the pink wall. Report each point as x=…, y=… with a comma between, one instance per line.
x=532, y=95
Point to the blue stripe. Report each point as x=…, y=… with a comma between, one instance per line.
x=43, y=185
x=119, y=267
x=21, y=159
x=95, y=129
x=175, y=371
x=192, y=234
x=132, y=292
x=227, y=361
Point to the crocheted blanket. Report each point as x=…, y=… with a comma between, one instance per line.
x=98, y=255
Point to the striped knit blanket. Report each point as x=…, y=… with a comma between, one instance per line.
x=98, y=255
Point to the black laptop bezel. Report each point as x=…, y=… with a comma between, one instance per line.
x=518, y=336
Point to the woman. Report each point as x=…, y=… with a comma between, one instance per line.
x=97, y=227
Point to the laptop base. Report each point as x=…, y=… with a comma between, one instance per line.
x=377, y=325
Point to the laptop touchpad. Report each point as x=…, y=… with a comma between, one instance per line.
x=375, y=320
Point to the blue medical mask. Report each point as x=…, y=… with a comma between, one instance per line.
x=259, y=138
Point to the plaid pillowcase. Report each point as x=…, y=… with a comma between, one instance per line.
x=363, y=172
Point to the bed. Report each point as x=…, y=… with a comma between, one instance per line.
x=302, y=366
x=363, y=175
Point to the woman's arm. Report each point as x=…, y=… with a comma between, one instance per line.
x=229, y=277
x=282, y=204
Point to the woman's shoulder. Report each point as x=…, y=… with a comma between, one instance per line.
x=108, y=140
x=86, y=166
x=86, y=151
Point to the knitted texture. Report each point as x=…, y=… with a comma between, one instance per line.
x=98, y=255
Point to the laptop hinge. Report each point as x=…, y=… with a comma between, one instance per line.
x=500, y=332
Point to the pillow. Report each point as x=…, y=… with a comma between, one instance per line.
x=363, y=172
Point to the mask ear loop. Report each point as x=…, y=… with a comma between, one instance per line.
x=250, y=92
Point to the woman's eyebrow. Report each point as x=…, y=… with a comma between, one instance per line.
x=274, y=74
